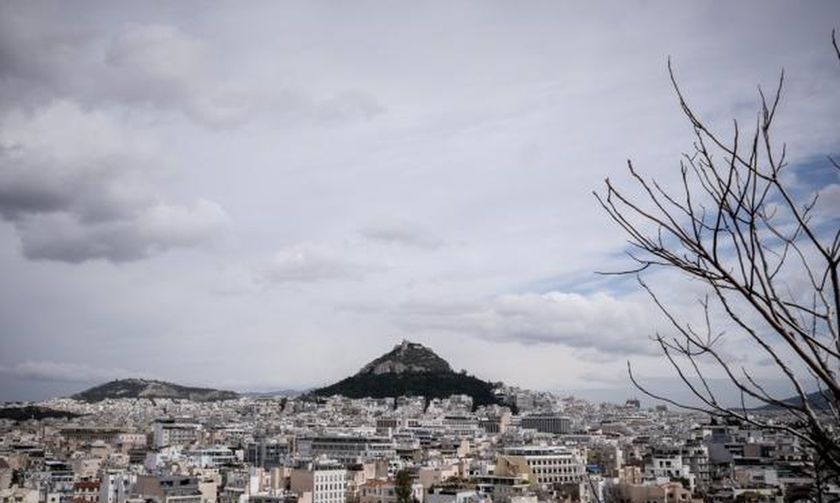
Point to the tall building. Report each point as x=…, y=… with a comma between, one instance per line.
x=116, y=486
x=267, y=453
x=319, y=483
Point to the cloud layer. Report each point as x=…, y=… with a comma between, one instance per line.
x=599, y=321
x=316, y=181
x=51, y=371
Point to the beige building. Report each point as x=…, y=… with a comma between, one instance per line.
x=543, y=465
x=503, y=489
x=168, y=489
x=358, y=474
x=18, y=495
x=672, y=492
x=320, y=483
x=5, y=474
x=385, y=491
x=630, y=475
x=430, y=476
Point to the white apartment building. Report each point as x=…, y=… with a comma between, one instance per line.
x=131, y=439
x=116, y=486
x=347, y=449
x=169, y=432
x=320, y=483
x=209, y=457
x=665, y=465
x=543, y=464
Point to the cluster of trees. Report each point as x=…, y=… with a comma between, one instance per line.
x=427, y=384
x=36, y=412
x=402, y=487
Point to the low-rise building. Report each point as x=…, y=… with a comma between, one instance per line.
x=543, y=464
x=385, y=491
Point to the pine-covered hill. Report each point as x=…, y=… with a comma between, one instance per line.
x=427, y=384
x=817, y=400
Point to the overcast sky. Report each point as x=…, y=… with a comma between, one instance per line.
x=268, y=195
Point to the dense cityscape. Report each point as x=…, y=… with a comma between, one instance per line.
x=471, y=251
x=539, y=447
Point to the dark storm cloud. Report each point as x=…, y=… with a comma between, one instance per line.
x=64, y=237
x=74, y=168
x=19, y=197
x=72, y=184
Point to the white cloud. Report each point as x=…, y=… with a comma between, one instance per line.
x=167, y=68
x=827, y=209
x=157, y=56
x=302, y=264
x=597, y=321
x=182, y=225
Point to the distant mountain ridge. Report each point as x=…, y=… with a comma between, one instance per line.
x=411, y=369
x=150, y=388
x=817, y=400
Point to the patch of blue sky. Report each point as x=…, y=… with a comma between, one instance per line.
x=815, y=173
x=588, y=282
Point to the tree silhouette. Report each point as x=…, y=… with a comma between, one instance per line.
x=738, y=226
x=403, y=486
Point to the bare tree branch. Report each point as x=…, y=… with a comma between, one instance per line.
x=739, y=228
